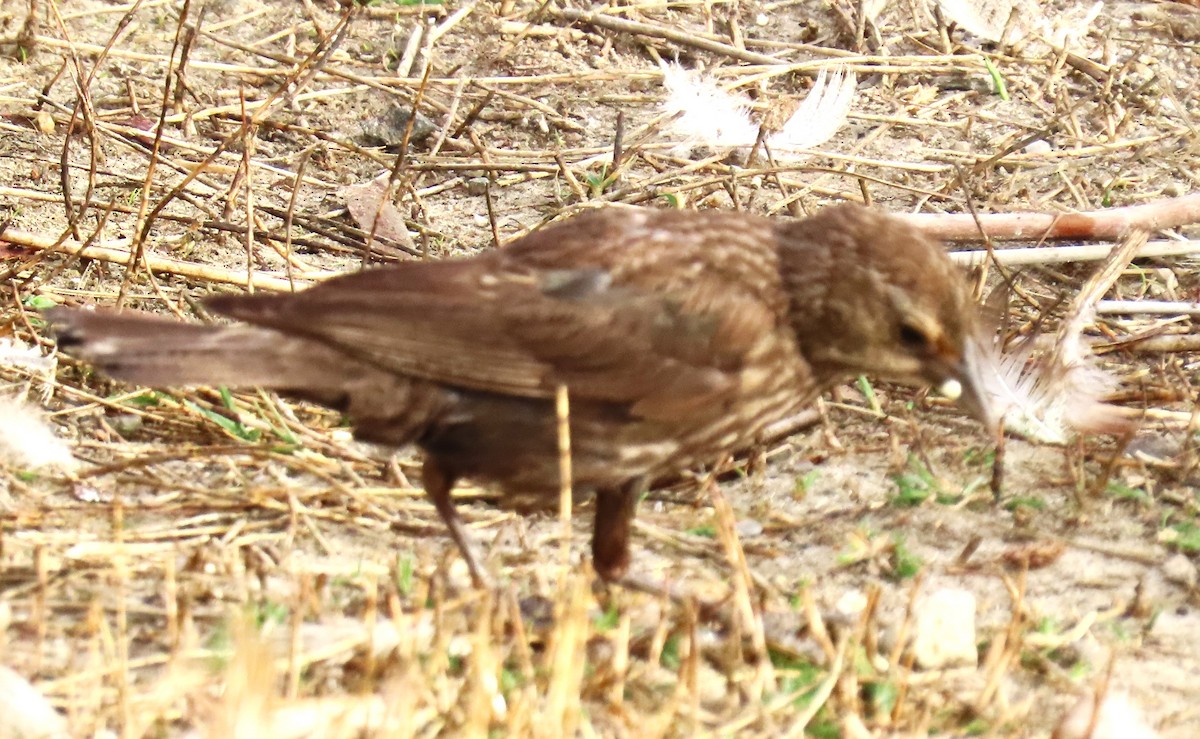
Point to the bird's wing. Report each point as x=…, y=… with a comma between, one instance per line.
x=633, y=331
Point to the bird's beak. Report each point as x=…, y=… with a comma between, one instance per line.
x=962, y=381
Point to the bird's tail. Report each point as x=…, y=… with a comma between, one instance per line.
x=154, y=351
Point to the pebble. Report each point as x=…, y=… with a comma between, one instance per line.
x=389, y=127
x=1174, y=189
x=1180, y=570
x=1041, y=146
x=851, y=603
x=458, y=575
x=477, y=186
x=945, y=630
x=748, y=528
x=126, y=424
x=1119, y=719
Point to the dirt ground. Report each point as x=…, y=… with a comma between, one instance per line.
x=235, y=565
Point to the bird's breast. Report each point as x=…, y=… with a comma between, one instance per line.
x=774, y=384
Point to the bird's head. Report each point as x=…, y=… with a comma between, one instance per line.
x=874, y=295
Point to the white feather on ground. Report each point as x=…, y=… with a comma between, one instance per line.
x=1018, y=393
x=17, y=354
x=705, y=114
x=1045, y=401
x=26, y=439
x=820, y=115
x=988, y=19
x=1069, y=27
x=1062, y=394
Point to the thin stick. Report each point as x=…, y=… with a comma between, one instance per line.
x=1149, y=307
x=137, y=251
x=1110, y=224
x=1063, y=254
x=562, y=411
x=683, y=38
x=741, y=580
x=820, y=696
x=455, y=18
x=116, y=252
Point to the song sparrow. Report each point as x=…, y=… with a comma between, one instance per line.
x=680, y=336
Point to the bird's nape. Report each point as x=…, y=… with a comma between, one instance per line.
x=886, y=302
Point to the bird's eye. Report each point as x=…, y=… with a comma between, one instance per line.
x=912, y=337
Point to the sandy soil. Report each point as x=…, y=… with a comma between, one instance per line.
x=268, y=575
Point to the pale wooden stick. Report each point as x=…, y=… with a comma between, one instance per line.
x=1060, y=254
x=116, y=251
x=685, y=38
x=562, y=408
x=1149, y=307
x=1111, y=224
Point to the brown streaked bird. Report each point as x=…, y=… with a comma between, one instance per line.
x=681, y=337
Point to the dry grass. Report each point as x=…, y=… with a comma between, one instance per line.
x=234, y=565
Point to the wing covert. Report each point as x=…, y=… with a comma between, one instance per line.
x=515, y=322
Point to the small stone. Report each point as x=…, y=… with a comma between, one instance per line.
x=459, y=646
x=477, y=185
x=1118, y=718
x=945, y=630
x=458, y=575
x=126, y=424
x=1180, y=570
x=45, y=122
x=89, y=494
x=749, y=528
x=389, y=127
x=1174, y=189
x=537, y=611
x=851, y=603
x=1041, y=146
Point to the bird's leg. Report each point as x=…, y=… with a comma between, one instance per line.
x=610, y=547
x=438, y=483
x=610, y=533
